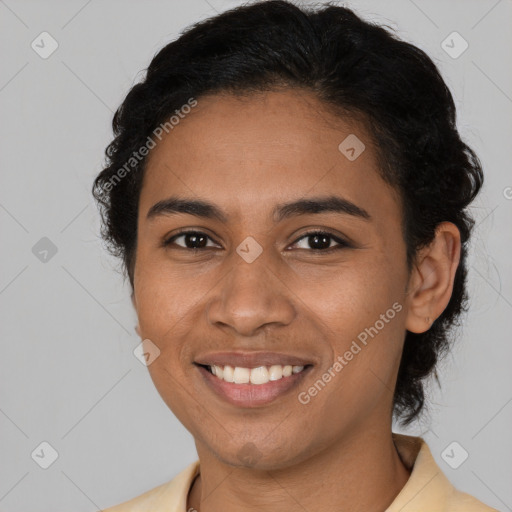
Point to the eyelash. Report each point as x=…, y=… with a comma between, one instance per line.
x=342, y=244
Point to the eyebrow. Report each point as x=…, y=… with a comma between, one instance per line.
x=207, y=210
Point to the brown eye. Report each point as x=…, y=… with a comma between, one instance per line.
x=191, y=240
x=320, y=241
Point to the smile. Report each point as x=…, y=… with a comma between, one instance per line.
x=252, y=387
x=258, y=376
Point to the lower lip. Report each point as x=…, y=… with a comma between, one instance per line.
x=252, y=395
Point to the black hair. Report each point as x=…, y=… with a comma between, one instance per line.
x=353, y=66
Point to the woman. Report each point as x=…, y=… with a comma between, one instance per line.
x=287, y=190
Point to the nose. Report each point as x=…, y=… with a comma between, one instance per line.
x=250, y=297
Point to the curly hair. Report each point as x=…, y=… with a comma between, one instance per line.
x=353, y=66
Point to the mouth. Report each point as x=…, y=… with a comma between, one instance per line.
x=252, y=386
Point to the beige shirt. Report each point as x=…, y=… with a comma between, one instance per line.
x=427, y=490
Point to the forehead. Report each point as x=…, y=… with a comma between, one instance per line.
x=230, y=126
x=255, y=151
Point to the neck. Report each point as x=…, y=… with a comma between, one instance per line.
x=362, y=472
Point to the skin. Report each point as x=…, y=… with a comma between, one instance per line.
x=247, y=155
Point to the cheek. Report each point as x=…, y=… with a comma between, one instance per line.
x=354, y=296
x=361, y=313
x=170, y=382
x=162, y=296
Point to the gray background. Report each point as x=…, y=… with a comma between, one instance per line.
x=68, y=374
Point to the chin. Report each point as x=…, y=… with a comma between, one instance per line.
x=259, y=456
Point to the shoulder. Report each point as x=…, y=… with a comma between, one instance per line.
x=462, y=502
x=142, y=502
x=168, y=497
x=428, y=488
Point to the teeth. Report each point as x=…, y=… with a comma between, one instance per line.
x=260, y=375
x=275, y=372
x=225, y=374
x=241, y=375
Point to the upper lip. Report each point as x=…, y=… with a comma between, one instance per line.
x=251, y=359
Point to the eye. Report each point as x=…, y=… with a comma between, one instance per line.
x=316, y=241
x=192, y=240
x=320, y=241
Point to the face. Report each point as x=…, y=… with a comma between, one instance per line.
x=241, y=279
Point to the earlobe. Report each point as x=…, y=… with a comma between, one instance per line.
x=432, y=278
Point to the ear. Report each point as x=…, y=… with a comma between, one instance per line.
x=134, y=302
x=431, y=282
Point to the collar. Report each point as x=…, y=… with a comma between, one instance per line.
x=427, y=488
